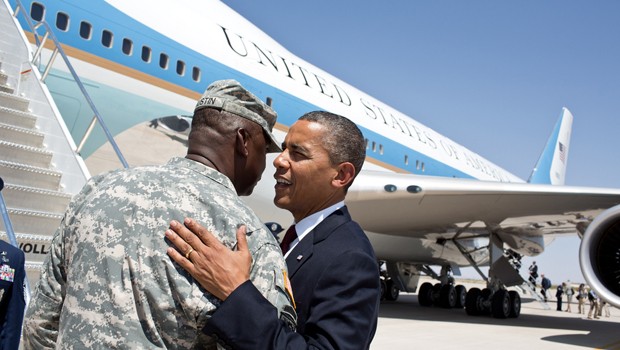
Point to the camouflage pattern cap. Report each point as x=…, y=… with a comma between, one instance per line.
x=230, y=96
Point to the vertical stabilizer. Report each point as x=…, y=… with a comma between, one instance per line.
x=551, y=166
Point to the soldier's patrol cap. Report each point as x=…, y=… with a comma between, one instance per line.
x=230, y=96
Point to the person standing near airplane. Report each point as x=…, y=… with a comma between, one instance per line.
x=594, y=304
x=569, y=291
x=559, y=294
x=545, y=284
x=582, y=295
x=107, y=282
x=333, y=270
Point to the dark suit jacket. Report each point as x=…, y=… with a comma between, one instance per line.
x=12, y=300
x=335, y=280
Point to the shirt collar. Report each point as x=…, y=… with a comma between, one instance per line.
x=307, y=224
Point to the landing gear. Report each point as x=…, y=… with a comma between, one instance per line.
x=447, y=296
x=515, y=304
x=461, y=293
x=500, y=304
x=473, y=302
x=389, y=289
x=392, y=292
x=425, y=294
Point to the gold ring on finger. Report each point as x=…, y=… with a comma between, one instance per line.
x=189, y=252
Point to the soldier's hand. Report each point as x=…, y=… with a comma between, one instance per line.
x=218, y=269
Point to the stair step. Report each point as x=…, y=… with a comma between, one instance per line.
x=35, y=247
x=17, y=118
x=6, y=88
x=34, y=222
x=21, y=136
x=13, y=152
x=24, y=197
x=21, y=174
x=14, y=101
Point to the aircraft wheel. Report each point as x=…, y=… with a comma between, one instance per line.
x=461, y=294
x=472, y=302
x=500, y=304
x=392, y=291
x=425, y=294
x=435, y=297
x=486, y=296
x=515, y=304
x=447, y=296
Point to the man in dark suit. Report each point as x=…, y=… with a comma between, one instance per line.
x=12, y=298
x=333, y=270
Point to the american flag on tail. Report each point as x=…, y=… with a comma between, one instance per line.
x=562, y=152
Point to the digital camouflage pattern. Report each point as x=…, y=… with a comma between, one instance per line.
x=108, y=282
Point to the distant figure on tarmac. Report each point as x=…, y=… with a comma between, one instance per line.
x=594, y=304
x=546, y=284
x=582, y=296
x=569, y=291
x=559, y=294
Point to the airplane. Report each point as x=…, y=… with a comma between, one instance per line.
x=423, y=200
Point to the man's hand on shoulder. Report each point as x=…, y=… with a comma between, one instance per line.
x=218, y=269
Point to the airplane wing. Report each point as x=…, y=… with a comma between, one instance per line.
x=425, y=206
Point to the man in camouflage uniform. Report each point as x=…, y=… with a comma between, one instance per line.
x=107, y=281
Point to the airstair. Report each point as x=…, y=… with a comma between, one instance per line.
x=38, y=162
x=525, y=286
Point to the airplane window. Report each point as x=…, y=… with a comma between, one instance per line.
x=62, y=21
x=366, y=141
x=163, y=60
x=417, y=164
x=406, y=159
x=180, y=68
x=380, y=149
x=107, y=38
x=85, y=30
x=423, y=167
x=127, y=47
x=146, y=54
x=374, y=146
x=37, y=11
x=196, y=74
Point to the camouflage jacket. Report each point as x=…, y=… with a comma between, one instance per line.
x=108, y=282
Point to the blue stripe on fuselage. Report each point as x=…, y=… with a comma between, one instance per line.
x=103, y=16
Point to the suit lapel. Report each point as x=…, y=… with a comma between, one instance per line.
x=303, y=250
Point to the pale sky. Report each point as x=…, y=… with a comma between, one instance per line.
x=491, y=75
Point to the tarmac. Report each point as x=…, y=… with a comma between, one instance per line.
x=404, y=324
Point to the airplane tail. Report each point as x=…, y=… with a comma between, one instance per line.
x=551, y=166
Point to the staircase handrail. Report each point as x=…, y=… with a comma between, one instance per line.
x=49, y=34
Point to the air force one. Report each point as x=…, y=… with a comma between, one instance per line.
x=428, y=205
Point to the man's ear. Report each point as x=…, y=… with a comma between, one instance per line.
x=241, y=142
x=344, y=176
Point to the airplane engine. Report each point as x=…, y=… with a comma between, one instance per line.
x=599, y=255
